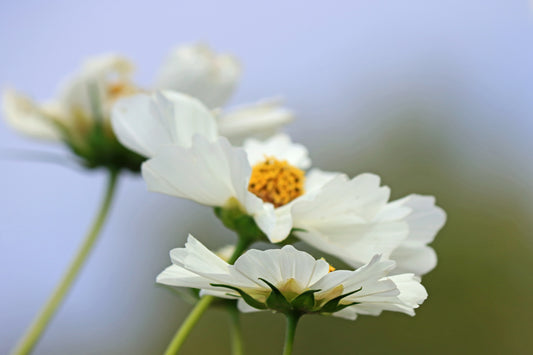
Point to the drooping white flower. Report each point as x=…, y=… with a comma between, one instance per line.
x=306, y=285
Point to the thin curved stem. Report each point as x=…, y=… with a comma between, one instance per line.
x=235, y=330
x=35, y=331
x=200, y=307
x=292, y=322
x=188, y=324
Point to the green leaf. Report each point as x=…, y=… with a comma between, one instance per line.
x=252, y=302
x=276, y=300
x=305, y=301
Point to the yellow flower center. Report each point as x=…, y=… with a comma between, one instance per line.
x=120, y=89
x=276, y=181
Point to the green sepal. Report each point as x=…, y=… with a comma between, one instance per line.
x=305, y=302
x=333, y=305
x=252, y=302
x=342, y=306
x=276, y=300
x=238, y=221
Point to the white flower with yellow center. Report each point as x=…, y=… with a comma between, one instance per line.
x=349, y=218
x=288, y=280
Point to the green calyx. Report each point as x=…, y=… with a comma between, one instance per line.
x=100, y=148
x=92, y=139
x=234, y=218
x=304, y=303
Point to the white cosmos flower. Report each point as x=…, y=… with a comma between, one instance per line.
x=348, y=218
x=367, y=290
x=71, y=113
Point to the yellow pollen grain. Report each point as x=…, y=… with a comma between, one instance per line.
x=276, y=181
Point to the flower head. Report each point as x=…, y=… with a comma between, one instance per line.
x=289, y=280
x=79, y=116
x=266, y=180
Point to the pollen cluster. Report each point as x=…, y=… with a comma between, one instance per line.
x=276, y=181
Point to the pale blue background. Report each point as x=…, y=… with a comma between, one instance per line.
x=346, y=68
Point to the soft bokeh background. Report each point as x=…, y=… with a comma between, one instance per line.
x=435, y=96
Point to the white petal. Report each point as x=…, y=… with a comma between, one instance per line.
x=278, y=266
x=419, y=260
x=424, y=221
x=411, y=290
x=276, y=223
x=178, y=276
x=342, y=220
x=279, y=146
x=26, y=117
x=261, y=120
x=210, y=173
x=144, y=122
x=96, y=73
x=376, y=292
x=315, y=179
x=197, y=71
x=198, y=259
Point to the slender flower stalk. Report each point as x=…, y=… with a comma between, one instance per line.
x=292, y=322
x=202, y=305
x=34, y=333
x=236, y=330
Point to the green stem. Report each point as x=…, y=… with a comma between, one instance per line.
x=235, y=330
x=35, y=331
x=292, y=322
x=188, y=324
x=200, y=307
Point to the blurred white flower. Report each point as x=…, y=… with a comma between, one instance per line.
x=71, y=115
x=288, y=280
x=198, y=71
x=80, y=114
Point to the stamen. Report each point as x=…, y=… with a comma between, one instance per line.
x=276, y=181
